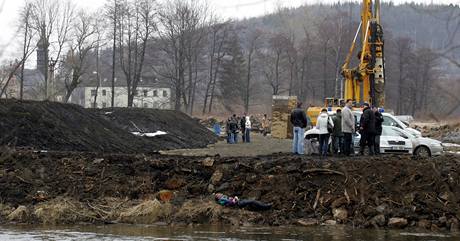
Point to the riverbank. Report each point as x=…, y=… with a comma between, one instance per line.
x=388, y=191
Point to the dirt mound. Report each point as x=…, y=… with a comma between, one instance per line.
x=394, y=191
x=68, y=127
x=446, y=133
x=182, y=131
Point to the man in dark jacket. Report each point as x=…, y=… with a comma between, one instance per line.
x=337, y=134
x=378, y=129
x=242, y=126
x=367, y=130
x=233, y=127
x=299, y=121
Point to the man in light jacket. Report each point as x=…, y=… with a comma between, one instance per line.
x=322, y=124
x=299, y=121
x=348, y=127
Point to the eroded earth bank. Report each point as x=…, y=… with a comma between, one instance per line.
x=388, y=191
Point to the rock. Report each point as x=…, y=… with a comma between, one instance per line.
x=223, y=187
x=340, y=213
x=339, y=202
x=442, y=220
x=175, y=183
x=20, y=214
x=397, y=223
x=208, y=162
x=379, y=220
x=165, y=195
x=98, y=160
x=453, y=225
x=423, y=223
x=444, y=196
x=382, y=208
x=211, y=188
x=307, y=222
x=216, y=177
x=330, y=222
x=435, y=228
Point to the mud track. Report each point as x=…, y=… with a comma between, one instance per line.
x=363, y=192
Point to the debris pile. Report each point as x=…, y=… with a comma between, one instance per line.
x=388, y=191
x=67, y=127
x=446, y=133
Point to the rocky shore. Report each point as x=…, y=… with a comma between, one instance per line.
x=366, y=192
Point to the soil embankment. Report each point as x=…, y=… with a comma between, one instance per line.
x=388, y=191
x=182, y=130
x=66, y=127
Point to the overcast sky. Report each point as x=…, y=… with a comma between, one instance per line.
x=226, y=8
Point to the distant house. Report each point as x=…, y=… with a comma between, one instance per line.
x=150, y=94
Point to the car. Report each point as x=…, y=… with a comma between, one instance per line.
x=397, y=140
x=389, y=120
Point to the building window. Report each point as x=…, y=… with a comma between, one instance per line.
x=165, y=93
x=94, y=104
x=146, y=105
x=104, y=92
x=93, y=92
x=104, y=105
x=146, y=92
x=155, y=93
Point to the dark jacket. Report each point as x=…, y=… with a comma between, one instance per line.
x=233, y=125
x=367, y=122
x=242, y=123
x=378, y=123
x=337, y=125
x=299, y=118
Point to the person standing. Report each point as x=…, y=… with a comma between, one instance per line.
x=228, y=131
x=234, y=129
x=299, y=122
x=325, y=126
x=337, y=134
x=265, y=125
x=367, y=130
x=348, y=127
x=242, y=126
x=247, y=129
x=378, y=129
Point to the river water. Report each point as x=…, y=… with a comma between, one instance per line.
x=159, y=232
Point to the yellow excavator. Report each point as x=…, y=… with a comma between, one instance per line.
x=365, y=82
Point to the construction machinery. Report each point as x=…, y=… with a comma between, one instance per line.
x=366, y=81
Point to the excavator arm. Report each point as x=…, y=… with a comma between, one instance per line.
x=366, y=82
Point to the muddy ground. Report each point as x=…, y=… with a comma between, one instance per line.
x=387, y=191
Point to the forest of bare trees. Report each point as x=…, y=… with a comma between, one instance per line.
x=214, y=65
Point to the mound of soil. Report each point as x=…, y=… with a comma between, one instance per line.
x=445, y=133
x=182, y=130
x=388, y=191
x=68, y=127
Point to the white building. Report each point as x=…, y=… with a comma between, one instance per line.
x=148, y=96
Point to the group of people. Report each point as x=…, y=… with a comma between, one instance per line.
x=235, y=125
x=341, y=128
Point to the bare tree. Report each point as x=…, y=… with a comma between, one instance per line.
x=180, y=21
x=217, y=37
x=135, y=28
x=52, y=20
x=25, y=22
x=253, y=45
x=84, y=40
